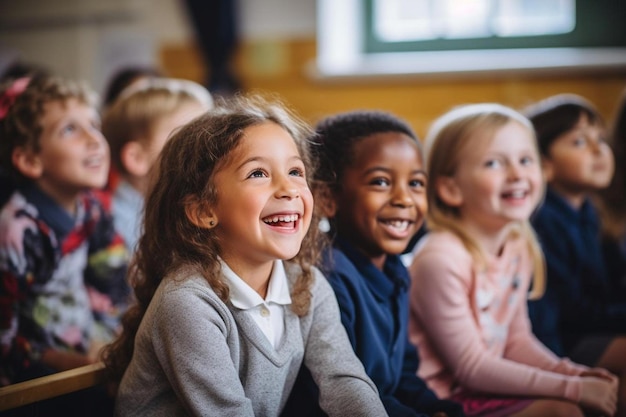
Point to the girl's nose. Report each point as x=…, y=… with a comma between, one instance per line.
x=514, y=171
x=287, y=189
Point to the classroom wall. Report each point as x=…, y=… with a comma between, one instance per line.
x=282, y=66
x=89, y=39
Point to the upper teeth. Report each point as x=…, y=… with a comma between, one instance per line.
x=517, y=194
x=93, y=160
x=289, y=218
x=399, y=224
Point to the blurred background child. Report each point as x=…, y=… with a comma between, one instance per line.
x=371, y=185
x=472, y=272
x=125, y=77
x=583, y=313
x=62, y=266
x=612, y=203
x=137, y=125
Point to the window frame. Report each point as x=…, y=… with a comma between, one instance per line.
x=345, y=47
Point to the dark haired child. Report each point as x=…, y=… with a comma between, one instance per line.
x=229, y=304
x=612, y=203
x=583, y=314
x=123, y=78
x=370, y=184
x=62, y=266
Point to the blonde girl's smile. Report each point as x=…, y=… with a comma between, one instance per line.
x=501, y=180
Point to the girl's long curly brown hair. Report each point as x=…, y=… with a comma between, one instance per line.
x=186, y=171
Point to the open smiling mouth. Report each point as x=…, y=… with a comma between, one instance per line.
x=93, y=161
x=516, y=195
x=283, y=221
x=399, y=225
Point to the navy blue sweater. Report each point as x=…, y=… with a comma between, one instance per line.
x=374, y=310
x=580, y=298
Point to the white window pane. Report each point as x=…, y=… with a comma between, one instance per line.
x=411, y=20
x=534, y=17
x=464, y=18
x=400, y=20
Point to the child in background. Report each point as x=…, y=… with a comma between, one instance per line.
x=125, y=77
x=17, y=69
x=612, y=204
x=371, y=185
x=62, y=266
x=137, y=125
x=472, y=272
x=583, y=313
x=223, y=321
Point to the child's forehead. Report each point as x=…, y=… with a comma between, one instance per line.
x=55, y=111
x=67, y=105
x=264, y=141
x=378, y=142
x=391, y=151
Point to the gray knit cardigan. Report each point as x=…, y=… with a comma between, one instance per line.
x=196, y=355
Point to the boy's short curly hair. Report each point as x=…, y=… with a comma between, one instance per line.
x=333, y=144
x=21, y=125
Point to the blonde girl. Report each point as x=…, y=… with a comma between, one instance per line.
x=472, y=275
x=228, y=304
x=137, y=125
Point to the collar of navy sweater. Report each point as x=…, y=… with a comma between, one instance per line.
x=393, y=279
x=586, y=214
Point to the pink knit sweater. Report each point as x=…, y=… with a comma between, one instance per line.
x=472, y=327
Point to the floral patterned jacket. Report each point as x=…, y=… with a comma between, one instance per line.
x=62, y=280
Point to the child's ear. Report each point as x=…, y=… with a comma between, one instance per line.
x=199, y=213
x=27, y=162
x=448, y=191
x=135, y=159
x=325, y=201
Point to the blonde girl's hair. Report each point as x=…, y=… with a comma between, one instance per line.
x=186, y=173
x=448, y=138
x=133, y=116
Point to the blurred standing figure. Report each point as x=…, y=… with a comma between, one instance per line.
x=215, y=24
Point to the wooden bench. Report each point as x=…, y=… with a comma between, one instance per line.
x=49, y=386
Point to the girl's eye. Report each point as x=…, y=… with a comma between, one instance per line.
x=382, y=182
x=257, y=173
x=297, y=172
x=417, y=183
x=579, y=142
x=493, y=163
x=526, y=160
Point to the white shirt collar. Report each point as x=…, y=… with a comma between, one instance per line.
x=244, y=297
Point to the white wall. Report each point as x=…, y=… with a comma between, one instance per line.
x=91, y=39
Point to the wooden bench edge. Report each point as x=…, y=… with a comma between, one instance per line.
x=49, y=386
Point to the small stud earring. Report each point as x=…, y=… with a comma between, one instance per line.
x=212, y=223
